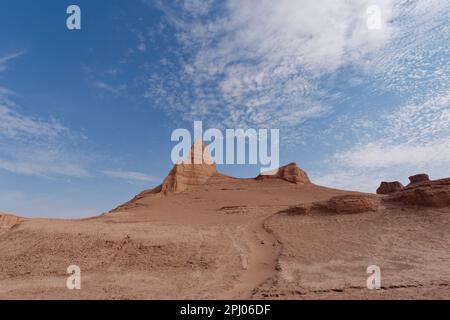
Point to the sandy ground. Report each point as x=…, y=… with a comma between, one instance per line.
x=228, y=240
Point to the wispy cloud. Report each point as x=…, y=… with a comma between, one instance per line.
x=416, y=60
x=33, y=161
x=348, y=179
x=130, y=176
x=35, y=147
x=9, y=57
x=258, y=63
x=142, y=46
x=116, y=90
x=377, y=155
x=16, y=125
x=414, y=137
x=32, y=146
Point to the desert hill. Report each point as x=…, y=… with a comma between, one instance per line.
x=201, y=234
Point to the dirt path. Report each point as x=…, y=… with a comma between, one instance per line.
x=260, y=263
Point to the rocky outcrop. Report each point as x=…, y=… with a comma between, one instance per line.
x=418, y=178
x=7, y=221
x=195, y=171
x=291, y=173
x=348, y=204
x=389, y=187
x=345, y=204
x=424, y=193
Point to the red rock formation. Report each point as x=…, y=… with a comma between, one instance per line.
x=196, y=171
x=7, y=221
x=419, y=178
x=425, y=194
x=348, y=204
x=290, y=172
x=389, y=187
x=345, y=204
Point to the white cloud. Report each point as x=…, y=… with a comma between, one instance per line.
x=283, y=63
x=141, y=47
x=37, y=147
x=366, y=181
x=415, y=134
x=39, y=162
x=130, y=176
x=13, y=124
x=420, y=121
x=262, y=63
x=413, y=138
x=5, y=59
x=245, y=63
x=197, y=8
x=116, y=90
x=376, y=155
x=416, y=60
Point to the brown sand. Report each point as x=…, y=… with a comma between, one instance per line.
x=230, y=238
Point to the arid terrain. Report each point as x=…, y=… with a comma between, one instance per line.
x=203, y=235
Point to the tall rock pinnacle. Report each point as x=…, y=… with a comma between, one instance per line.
x=194, y=171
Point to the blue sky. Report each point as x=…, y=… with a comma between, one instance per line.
x=86, y=115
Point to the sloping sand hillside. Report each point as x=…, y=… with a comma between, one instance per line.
x=278, y=237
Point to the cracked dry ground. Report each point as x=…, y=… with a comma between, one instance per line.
x=230, y=239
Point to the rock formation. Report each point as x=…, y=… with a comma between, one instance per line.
x=345, y=204
x=419, y=178
x=290, y=172
x=194, y=171
x=198, y=170
x=424, y=193
x=7, y=221
x=389, y=187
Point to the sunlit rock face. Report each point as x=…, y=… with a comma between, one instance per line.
x=425, y=193
x=195, y=171
x=389, y=187
x=290, y=172
x=345, y=204
x=422, y=177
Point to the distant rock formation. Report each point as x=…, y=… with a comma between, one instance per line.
x=290, y=172
x=389, y=187
x=424, y=193
x=419, y=178
x=7, y=221
x=348, y=204
x=197, y=170
x=184, y=176
x=345, y=204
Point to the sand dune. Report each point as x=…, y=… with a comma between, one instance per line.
x=206, y=235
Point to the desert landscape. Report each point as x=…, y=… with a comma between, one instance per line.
x=204, y=235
